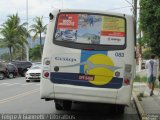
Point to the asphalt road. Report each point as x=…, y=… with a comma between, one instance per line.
x=19, y=97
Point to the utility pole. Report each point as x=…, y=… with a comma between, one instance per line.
x=135, y=31
x=135, y=9
x=27, y=47
x=135, y=17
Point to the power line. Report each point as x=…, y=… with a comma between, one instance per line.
x=31, y=18
x=119, y=8
x=129, y=2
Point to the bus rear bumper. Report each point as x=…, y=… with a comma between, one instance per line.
x=86, y=94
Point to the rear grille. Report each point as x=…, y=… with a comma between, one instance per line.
x=35, y=74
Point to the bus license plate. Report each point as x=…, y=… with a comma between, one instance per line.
x=86, y=77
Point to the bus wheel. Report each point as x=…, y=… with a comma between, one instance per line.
x=67, y=105
x=58, y=106
x=120, y=109
x=1, y=76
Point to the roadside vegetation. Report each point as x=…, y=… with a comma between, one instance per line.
x=38, y=29
x=14, y=35
x=149, y=25
x=138, y=78
x=35, y=54
x=143, y=79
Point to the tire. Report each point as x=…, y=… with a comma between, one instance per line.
x=27, y=80
x=58, y=106
x=120, y=109
x=1, y=76
x=24, y=73
x=67, y=105
x=11, y=75
x=117, y=109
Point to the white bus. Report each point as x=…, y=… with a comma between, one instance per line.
x=88, y=56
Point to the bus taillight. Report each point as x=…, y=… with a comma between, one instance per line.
x=127, y=81
x=46, y=74
x=127, y=74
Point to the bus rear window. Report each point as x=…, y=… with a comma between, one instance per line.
x=90, y=30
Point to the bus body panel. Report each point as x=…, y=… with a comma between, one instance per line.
x=73, y=64
x=76, y=93
x=85, y=94
x=72, y=67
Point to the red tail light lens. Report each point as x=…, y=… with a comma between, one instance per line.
x=46, y=74
x=127, y=81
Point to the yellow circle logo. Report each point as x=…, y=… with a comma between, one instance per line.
x=102, y=75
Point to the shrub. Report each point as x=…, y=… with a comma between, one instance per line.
x=143, y=79
x=146, y=54
x=137, y=78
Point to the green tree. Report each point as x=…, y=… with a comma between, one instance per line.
x=38, y=28
x=13, y=34
x=5, y=56
x=150, y=24
x=146, y=54
x=34, y=53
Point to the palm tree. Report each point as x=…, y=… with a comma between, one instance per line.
x=13, y=34
x=22, y=40
x=38, y=28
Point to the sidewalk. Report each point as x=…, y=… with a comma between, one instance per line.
x=148, y=106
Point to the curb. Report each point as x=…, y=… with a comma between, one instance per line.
x=141, y=112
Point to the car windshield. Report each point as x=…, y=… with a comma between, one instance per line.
x=36, y=67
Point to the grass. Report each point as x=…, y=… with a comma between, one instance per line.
x=138, y=78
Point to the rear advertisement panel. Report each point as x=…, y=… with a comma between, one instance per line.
x=90, y=29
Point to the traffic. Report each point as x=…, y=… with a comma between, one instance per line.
x=20, y=68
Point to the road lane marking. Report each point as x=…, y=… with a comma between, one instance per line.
x=5, y=84
x=27, y=84
x=13, y=84
x=18, y=96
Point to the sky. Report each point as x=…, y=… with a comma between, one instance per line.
x=44, y=7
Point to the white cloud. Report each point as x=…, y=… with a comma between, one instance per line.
x=43, y=7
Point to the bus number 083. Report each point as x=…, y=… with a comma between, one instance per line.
x=117, y=54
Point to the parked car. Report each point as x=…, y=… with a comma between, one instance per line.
x=22, y=66
x=36, y=63
x=12, y=70
x=34, y=73
x=3, y=71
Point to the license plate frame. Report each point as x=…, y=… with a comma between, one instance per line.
x=35, y=77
